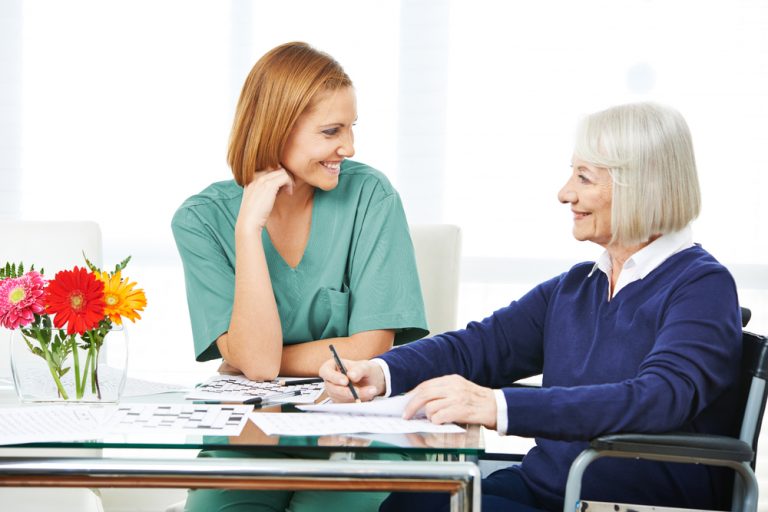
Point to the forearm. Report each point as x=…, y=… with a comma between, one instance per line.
x=253, y=344
x=304, y=359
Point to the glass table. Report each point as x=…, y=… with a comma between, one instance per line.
x=426, y=462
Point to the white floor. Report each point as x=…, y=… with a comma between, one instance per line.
x=140, y=500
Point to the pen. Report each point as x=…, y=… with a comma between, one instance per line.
x=344, y=371
x=258, y=400
x=297, y=382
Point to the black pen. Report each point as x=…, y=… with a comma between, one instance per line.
x=344, y=371
x=258, y=400
x=297, y=382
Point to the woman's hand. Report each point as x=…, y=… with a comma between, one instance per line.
x=259, y=197
x=453, y=399
x=367, y=377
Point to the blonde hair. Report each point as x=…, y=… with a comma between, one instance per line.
x=649, y=152
x=279, y=88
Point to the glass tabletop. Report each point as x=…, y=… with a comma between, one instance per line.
x=252, y=440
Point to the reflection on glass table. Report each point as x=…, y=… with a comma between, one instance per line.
x=333, y=462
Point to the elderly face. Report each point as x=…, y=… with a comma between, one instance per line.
x=589, y=191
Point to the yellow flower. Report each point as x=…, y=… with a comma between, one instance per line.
x=120, y=299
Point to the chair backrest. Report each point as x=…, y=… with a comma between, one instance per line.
x=438, y=252
x=49, y=245
x=754, y=369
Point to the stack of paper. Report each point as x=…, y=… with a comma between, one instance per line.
x=382, y=416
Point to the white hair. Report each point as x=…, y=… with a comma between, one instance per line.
x=648, y=150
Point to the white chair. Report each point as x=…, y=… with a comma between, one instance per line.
x=438, y=253
x=52, y=246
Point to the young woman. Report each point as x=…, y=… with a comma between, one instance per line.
x=304, y=248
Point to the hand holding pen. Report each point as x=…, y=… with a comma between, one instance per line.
x=343, y=370
x=367, y=376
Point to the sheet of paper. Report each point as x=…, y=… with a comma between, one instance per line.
x=141, y=387
x=197, y=419
x=393, y=406
x=48, y=423
x=237, y=388
x=301, y=424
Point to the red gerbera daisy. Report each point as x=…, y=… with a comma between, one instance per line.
x=76, y=297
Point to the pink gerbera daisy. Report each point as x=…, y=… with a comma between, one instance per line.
x=21, y=298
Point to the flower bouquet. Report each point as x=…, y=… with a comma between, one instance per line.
x=65, y=322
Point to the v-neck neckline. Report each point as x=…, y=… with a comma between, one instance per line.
x=279, y=257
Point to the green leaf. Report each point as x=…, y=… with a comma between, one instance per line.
x=91, y=266
x=11, y=270
x=122, y=265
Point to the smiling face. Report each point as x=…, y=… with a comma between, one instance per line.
x=589, y=191
x=322, y=138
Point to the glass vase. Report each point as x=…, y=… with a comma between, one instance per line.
x=54, y=367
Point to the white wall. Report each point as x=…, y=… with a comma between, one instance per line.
x=116, y=111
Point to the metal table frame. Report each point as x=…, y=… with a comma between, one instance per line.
x=460, y=479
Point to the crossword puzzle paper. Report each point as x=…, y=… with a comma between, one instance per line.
x=236, y=388
x=73, y=422
x=202, y=419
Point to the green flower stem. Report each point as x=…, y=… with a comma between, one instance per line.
x=51, y=365
x=97, y=339
x=93, y=354
x=96, y=383
x=86, y=371
x=79, y=388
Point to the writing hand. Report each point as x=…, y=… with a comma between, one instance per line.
x=367, y=377
x=453, y=399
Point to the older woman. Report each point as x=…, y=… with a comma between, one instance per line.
x=646, y=339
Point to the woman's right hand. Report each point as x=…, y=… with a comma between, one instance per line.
x=259, y=197
x=366, y=376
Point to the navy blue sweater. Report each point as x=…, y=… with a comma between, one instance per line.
x=663, y=354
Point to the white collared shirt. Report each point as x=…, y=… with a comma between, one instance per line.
x=647, y=259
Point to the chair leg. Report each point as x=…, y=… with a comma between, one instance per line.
x=575, y=474
x=745, y=489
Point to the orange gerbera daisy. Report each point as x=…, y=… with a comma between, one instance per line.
x=120, y=299
x=76, y=298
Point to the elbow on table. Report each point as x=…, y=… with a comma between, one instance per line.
x=262, y=366
x=261, y=370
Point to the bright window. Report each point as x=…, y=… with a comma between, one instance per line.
x=468, y=107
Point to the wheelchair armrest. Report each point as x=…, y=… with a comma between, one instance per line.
x=678, y=444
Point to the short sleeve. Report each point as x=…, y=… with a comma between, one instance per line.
x=210, y=281
x=384, y=282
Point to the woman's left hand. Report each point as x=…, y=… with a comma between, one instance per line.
x=453, y=399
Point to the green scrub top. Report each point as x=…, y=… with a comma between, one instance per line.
x=358, y=272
